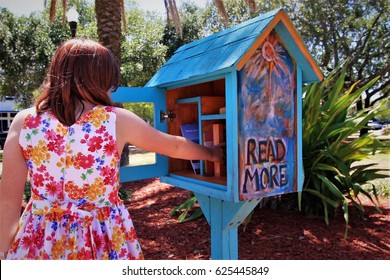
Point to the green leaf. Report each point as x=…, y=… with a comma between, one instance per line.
x=346, y=217
x=323, y=197
x=300, y=201
x=186, y=206
x=328, y=167
x=197, y=214
x=182, y=216
x=332, y=98
x=326, y=215
x=376, y=205
x=331, y=187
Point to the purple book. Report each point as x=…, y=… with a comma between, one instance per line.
x=191, y=132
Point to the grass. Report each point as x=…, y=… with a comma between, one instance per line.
x=382, y=161
x=382, y=187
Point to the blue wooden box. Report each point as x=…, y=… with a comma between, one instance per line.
x=245, y=83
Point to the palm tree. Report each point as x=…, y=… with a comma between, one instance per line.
x=173, y=15
x=222, y=10
x=109, y=15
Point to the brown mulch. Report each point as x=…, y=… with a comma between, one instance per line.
x=271, y=234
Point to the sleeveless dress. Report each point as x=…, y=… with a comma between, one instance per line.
x=74, y=211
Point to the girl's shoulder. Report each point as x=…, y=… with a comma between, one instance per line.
x=19, y=119
x=124, y=116
x=28, y=111
x=21, y=115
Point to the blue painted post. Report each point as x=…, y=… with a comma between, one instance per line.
x=224, y=218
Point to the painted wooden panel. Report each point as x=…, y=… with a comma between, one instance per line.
x=267, y=122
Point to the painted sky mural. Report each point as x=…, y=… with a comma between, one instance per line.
x=267, y=121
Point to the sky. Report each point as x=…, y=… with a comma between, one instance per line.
x=25, y=7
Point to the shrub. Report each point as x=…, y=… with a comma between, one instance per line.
x=333, y=176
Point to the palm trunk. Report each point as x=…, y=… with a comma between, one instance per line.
x=173, y=15
x=108, y=16
x=222, y=11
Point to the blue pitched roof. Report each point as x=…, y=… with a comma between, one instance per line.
x=211, y=54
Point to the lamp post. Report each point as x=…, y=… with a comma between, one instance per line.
x=73, y=18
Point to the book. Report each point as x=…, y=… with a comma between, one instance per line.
x=208, y=142
x=219, y=138
x=191, y=132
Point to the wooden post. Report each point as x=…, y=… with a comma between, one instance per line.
x=224, y=218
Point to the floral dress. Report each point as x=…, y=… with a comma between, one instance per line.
x=74, y=211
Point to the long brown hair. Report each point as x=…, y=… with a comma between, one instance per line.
x=81, y=70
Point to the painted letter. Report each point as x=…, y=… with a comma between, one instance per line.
x=271, y=155
x=251, y=148
x=273, y=170
x=281, y=150
x=264, y=178
x=262, y=151
x=251, y=177
x=283, y=175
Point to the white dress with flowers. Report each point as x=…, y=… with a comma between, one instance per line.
x=74, y=211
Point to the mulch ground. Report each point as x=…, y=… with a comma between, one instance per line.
x=271, y=234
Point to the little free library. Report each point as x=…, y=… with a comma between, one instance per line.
x=241, y=87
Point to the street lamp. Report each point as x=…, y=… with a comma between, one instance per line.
x=73, y=18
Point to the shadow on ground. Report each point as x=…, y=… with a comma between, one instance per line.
x=272, y=234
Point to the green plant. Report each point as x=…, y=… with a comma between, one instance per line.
x=184, y=210
x=333, y=176
x=379, y=187
x=124, y=194
x=27, y=192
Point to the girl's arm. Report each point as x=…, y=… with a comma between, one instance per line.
x=133, y=130
x=13, y=179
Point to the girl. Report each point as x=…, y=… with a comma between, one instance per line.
x=70, y=144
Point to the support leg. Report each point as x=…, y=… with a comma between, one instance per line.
x=224, y=219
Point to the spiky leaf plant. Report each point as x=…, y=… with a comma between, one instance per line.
x=331, y=156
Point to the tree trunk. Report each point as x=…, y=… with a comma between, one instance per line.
x=108, y=17
x=222, y=11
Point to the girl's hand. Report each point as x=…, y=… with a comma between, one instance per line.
x=218, y=153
